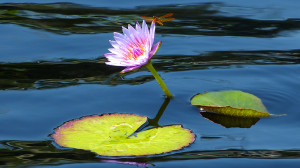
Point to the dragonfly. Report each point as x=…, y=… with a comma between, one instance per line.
x=159, y=19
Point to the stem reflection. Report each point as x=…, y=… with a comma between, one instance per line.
x=154, y=122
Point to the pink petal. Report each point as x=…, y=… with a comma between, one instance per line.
x=130, y=68
x=121, y=41
x=152, y=32
x=145, y=29
x=117, y=62
x=154, y=49
x=119, y=35
x=110, y=55
x=138, y=27
x=116, y=51
x=131, y=29
x=133, y=35
x=140, y=36
x=114, y=44
x=113, y=63
x=126, y=32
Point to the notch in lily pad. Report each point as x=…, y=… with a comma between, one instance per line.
x=115, y=135
x=231, y=103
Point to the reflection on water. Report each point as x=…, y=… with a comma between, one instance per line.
x=196, y=19
x=60, y=74
x=229, y=121
x=17, y=153
x=53, y=75
x=154, y=121
x=33, y=153
x=278, y=86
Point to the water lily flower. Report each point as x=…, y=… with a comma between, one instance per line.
x=134, y=48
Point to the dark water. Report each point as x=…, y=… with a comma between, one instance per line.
x=52, y=70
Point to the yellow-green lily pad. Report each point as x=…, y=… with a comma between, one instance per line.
x=231, y=102
x=115, y=135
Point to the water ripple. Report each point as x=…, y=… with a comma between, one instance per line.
x=210, y=19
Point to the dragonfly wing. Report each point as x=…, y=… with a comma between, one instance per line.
x=166, y=15
x=165, y=20
x=159, y=22
x=146, y=17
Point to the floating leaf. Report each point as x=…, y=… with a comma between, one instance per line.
x=112, y=135
x=231, y=102
x=230, y=121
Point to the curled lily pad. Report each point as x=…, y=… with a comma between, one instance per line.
x=114, y=135
x=231, y=103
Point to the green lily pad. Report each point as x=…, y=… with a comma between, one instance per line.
x=231, y=103
x=114, y=135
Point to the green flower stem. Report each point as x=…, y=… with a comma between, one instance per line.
x=158, y=79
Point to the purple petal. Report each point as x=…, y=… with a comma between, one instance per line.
x=137, y=26
x=114, y=44
x=117, y=62
x=130, y=68
x=152, y=32
x=134, y=35
x=109, y=55
x=123, y=43
x=154, y=49
x=116, y=51
x=119, y=35
x=126, y=32
x=145, y=29
x=113, y=64
x=131, y=29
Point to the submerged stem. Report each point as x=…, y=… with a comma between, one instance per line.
x=158, y=79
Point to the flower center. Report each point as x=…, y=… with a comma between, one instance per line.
x=136, y=52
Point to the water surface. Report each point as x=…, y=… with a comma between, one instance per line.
x=52, y=70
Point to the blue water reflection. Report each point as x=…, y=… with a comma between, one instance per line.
x=51, y=73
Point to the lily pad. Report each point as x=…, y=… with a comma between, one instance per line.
x=114, y=135
x=231, y=103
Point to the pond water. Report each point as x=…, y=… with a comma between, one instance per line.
x=52, y=70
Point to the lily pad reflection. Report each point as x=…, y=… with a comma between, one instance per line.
x=230, y=121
